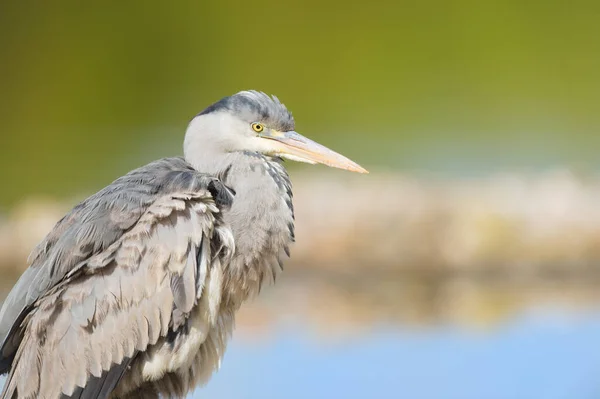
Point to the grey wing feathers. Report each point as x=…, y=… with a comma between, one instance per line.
x=103, y=386
x=131, y=247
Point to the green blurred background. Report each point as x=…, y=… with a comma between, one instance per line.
x=466, y=265
x=90, y=90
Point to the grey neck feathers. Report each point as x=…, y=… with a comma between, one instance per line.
x=262, y=214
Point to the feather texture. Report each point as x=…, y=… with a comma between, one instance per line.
x=124, y=294
x=133, y=293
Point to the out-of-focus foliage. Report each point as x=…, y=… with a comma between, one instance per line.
x=90, y=90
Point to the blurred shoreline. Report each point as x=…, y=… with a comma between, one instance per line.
x=389, y=248
x=331, y=306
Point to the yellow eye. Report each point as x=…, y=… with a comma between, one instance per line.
x=257, y=127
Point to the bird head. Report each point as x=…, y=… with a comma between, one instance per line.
x=251, y=121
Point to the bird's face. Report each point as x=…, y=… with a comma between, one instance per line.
x=252, y=121
x=292, y=145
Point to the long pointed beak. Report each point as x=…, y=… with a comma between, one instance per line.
x=294, y=146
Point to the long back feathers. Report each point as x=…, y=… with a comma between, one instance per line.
x=109, y=278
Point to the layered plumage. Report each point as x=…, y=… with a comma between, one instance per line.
x=134, y=292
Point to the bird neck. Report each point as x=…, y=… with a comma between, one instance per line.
x=261, y=216
x=263, y=194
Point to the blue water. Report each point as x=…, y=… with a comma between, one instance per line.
x=550, y=356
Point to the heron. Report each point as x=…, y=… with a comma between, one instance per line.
x=134, y=292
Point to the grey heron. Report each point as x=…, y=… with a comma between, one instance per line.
x=133, y=293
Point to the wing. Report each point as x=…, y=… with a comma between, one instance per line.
x=109, y=275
